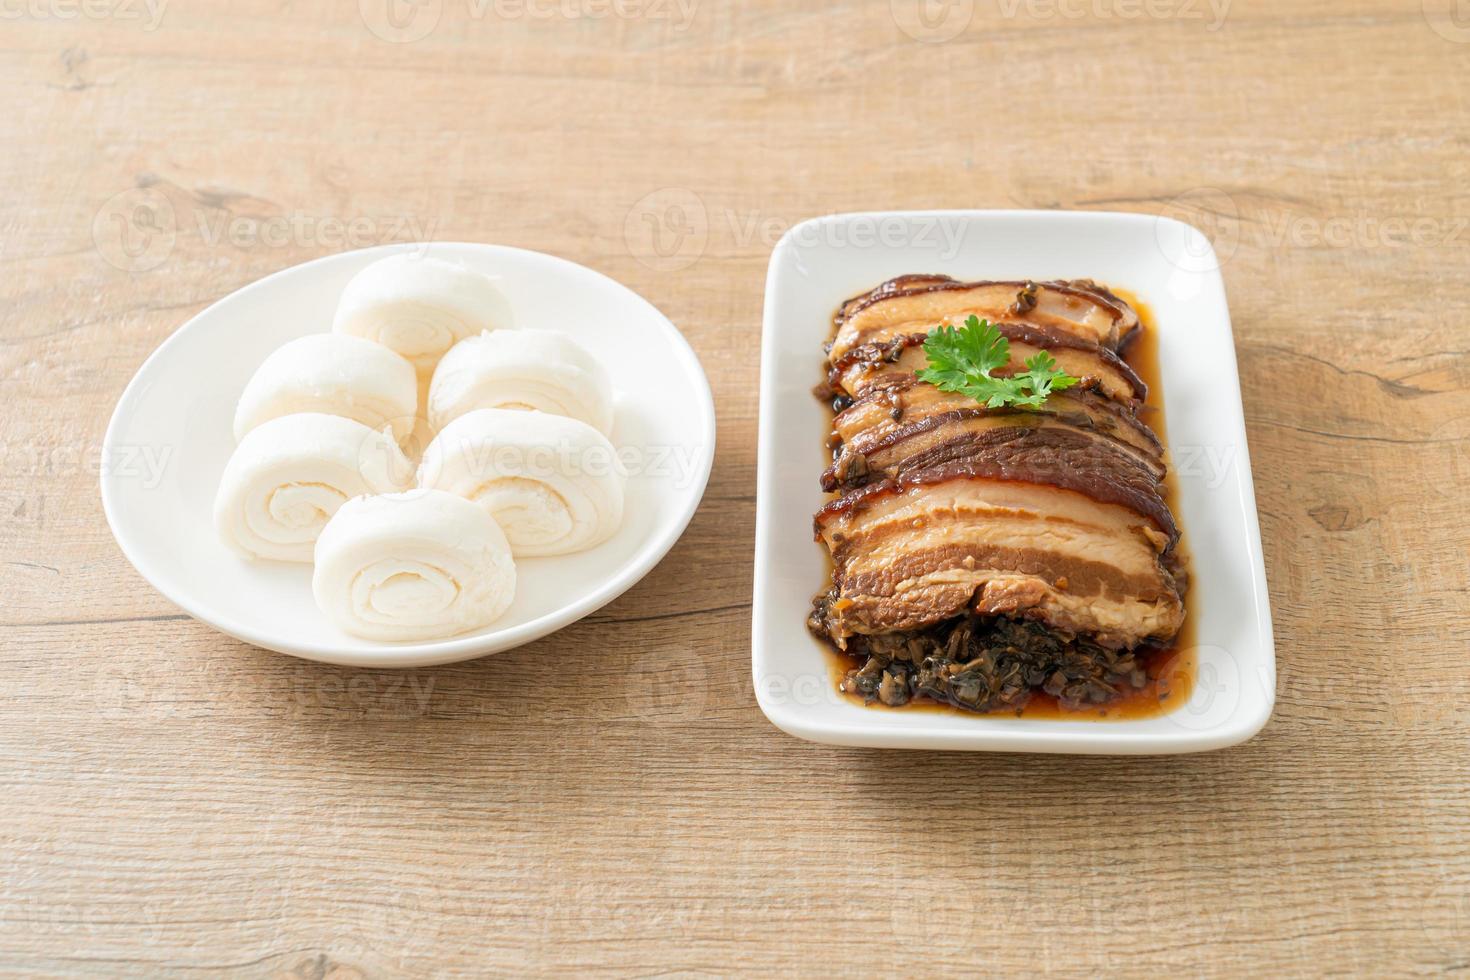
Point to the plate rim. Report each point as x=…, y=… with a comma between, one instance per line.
x=1091, y=738
x=373, y=654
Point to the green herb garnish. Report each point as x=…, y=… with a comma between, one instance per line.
x=961, y=361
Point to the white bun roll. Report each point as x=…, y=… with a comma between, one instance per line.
x=554, y=484
x=420, y=307
x=527, y=369
x=288, y=476
x=335, y=375
x=420, y=565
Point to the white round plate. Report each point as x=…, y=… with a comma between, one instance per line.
x=170, y=437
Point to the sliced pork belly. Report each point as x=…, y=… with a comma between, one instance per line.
x=893, y=431
x=981, y=553
x=917, y=304
x=961, y=539
x=870, y=365
x=882, y=410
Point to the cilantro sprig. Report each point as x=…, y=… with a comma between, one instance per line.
x=962, y=361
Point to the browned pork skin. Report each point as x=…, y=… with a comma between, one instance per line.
x=917, y=304
x=877, y=417
x=876, y=365
x=959, y=434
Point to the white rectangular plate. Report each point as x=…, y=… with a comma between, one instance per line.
x=1168, y=265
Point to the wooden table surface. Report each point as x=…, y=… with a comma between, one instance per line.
x=178, y=802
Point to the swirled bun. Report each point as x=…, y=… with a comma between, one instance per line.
x=336, y=375
x=420, y=565
x=420, y=307
x=289, y=476
x=554, y=484
x=526, y=369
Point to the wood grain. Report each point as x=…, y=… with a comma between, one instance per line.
x=176, y=802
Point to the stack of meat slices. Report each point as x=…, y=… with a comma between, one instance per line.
x=982, y=554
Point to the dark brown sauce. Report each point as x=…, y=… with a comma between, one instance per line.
x=1171, y=669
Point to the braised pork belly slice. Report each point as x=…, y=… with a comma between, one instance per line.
x=908, y=426
x=917, y=304
x=876, y=365
x=970, y=538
